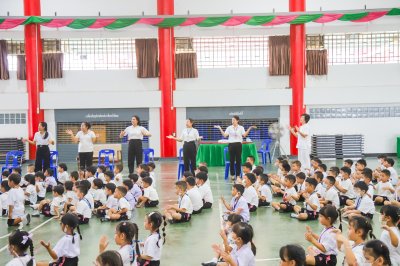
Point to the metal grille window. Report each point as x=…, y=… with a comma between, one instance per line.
x=12, y=118
x=209, y=133
x=108, y=131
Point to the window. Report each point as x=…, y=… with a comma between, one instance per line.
x=12, y=118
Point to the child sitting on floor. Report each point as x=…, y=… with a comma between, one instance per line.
x=311, y=203
x=238, y=204
x=264, y=191
x=181, y=212
x=289, y=197
x=150, y=195
x=123, y=211
x=53, y=207
x=204, y=189
x=111, y=203
x=250, y=193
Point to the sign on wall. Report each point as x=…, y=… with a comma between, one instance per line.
x=100, y=115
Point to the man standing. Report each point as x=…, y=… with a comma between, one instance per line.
x=303, y=135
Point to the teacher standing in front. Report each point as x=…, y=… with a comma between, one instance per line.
x=235, y=134
x=135, y=134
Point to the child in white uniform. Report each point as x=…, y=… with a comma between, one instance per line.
x=331, y=194
x=390, y=218
x=83, y=208
x=289, y=196
x=124, y=209
x=62, y=174
x=384, y=189
x=181, y=212
x=40, y=186
x=363, y=203
x=4, y=197
x=205, y=190
x=303, y=135
x=194, y=195
x=15, y=202
x=264, y=191
x=150, y=195
x=250, y=193
x=30, y=190
x=238, y=204
x=345, y=187
x=18, y=244
x=311, y=203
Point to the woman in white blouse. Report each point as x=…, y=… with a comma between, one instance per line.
x=135, y=135
x=235, y=134
x=86, y=139
x=189, y=137
x=42, y=139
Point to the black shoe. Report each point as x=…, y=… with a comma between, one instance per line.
x=28, y=219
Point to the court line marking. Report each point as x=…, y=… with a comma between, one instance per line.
x=221, y=220
x=271, y=259
x=31, y=231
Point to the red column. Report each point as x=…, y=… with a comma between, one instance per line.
x=297, y=74
x=166, y=43
x=34, y=76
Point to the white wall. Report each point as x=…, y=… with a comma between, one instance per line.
x=180, y=125
x=154, y=128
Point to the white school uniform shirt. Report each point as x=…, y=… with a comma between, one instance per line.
x=394, y=178
x=65, y=247
x=189, y=134
x=289, y=192
x=195, y=197
x=57, y=202
x=4, y=200
x=333, y=196
x=314, y=201
x=101, y=176
x=321, y=191
x=266, y=192
x=118, y=180
x=328, y=239
x=62, y=177
x=83, y=208
x=394, y=251
x=243, y=256
x=235, y=134
x=20, y=261
x=16, y=198
x=365, y=205
x=358, y=253
x=150, y=193
x=90, y=179
x=71, y=195
x=85, y=141
x=50, y=181
x=112, y=202
x=304, y=143
x=127, y=253
x=99, y=195
x=32, y=198
x=89, y=197
x=241, y=203
x=346, y=184
x=153, y=177
x=206, y=193
x=136, y=191
x=42, y=189
x=371, y=190
x=135, y=132
x=40, y=139
x=184, y=202
x=251, y=196
x=381, y=192
x=151, y=248
x=124, y=204
x=301, y=187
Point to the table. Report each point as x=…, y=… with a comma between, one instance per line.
x=398, y=147
x=213, y=153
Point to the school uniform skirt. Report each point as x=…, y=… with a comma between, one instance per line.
x=63, y=261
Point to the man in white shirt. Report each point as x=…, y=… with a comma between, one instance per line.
x=303, y=135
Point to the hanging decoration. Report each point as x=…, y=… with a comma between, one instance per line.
x=357, y=16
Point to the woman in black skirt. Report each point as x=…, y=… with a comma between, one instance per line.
x=135, y=135
x=235, y=134
x=189, y=137
x=42, y=139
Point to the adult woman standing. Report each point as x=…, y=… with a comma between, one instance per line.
x=235, y=134
x=189, y=137
x=135, y=135
x=86, y=138
x=42, y=139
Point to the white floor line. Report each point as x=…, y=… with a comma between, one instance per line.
x=271, y=259
x=31, y=231
x=221, y=220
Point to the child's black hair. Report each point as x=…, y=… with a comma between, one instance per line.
x=330, y=212
x=111, y=186
x=361, y=185
x=30, y=179
x=68, y=185
x=144, y=167
x=73, y=222
x=317, y=160
x=203, y=168
x=239, y=188
x=359, y=222
x=251, y=177
x=367, y=173
x=264, y=178
x=110, y=258
x=202, y=175
x=181, y=184
x=156, y=219
x=319, y=176
x=293, y=252
x=5, y=173
x=120, y=167
x=331, y=179
x=40, y=174
x=83, y=189
x=74, y=175
x=323, y=166
x=191, y=181
x=131, y=231
x=386, y=172
x=133, y=177
x=312, y=181
x=50, y=171
x=59, y=189
x=147, y=180
x=98, y=183
x=91, y=169
x=393, y=212
x=291, y=178
x=259, y=167
x=382, y=156
x=257, y=171
x=17, y=169
x=389, y=161
x=144, y=174
x=102, y=168
x=187, y=174
x=247, y=165
x=234, y=218
x=5, y=185
x=363, y=162
x=15, y=178
x=286, y=167
x=63, y=166
x=301, y=175
x=128, y=183
x=86, y=183
x=251, y=157
x=346, y=170
x=376, y=249
x=123, y=190
x=152, y=165
x=296, y=162
x=335, y=170
x=307, y=117
x=349, y=161
x=22, y=241
x=246, y=233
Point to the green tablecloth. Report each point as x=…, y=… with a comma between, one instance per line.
x=213, y=154
x=398, y=147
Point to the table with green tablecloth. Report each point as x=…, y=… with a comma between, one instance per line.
x=213, y=153
x=398, y=147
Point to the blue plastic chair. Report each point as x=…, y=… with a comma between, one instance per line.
x=16, y=157
x=181, y=166
x=228, y=164
x=54, y=163
x=264, y=150
x=148, y=155
x=105, y=154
